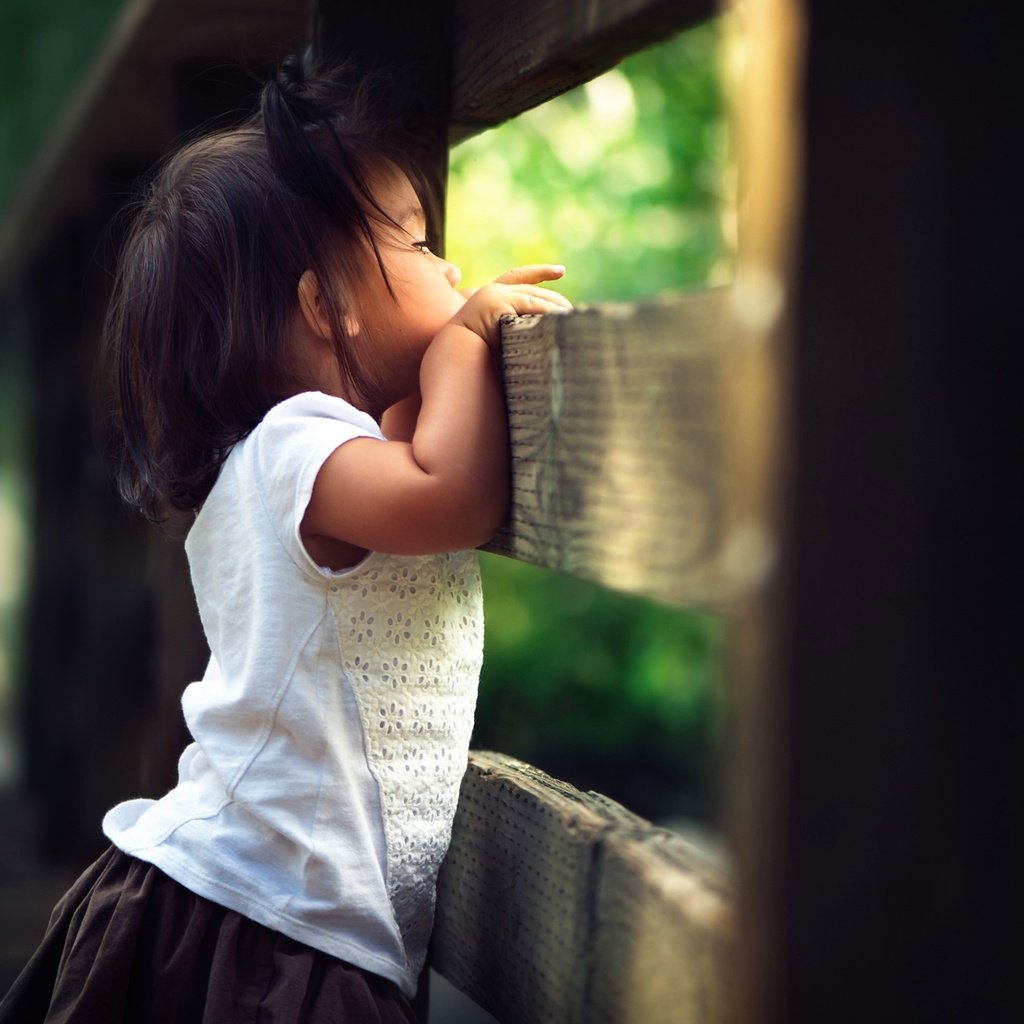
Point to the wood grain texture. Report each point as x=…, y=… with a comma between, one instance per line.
x=511, y=57
x=557, y=905
x=615, y=416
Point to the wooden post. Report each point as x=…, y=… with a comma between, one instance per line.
x=410, y=47
x=764, y=58
x=892, y=887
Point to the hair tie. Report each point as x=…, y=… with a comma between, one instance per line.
x=291, y=75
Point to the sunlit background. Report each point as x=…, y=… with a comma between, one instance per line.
x=623, y=181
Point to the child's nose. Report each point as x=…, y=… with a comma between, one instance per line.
x=453, y=274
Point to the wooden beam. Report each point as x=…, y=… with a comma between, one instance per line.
x=617, y=429
x=560, y=905
x=409, y=45
x=511, y=57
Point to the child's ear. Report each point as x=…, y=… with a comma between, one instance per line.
x=314, y=309
x=312, y=305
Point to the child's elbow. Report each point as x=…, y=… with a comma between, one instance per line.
x=482, y=513
x=494, y=521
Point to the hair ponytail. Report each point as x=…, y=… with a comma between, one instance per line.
x=289, y=121
x=316, y=147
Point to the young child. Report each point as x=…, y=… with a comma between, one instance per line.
x=297, y=369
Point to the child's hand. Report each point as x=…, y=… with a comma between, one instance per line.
x=516, y=293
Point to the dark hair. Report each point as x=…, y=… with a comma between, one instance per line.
x=208, y=279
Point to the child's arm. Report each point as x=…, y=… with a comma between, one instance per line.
x=447, y=488
x=399, y=422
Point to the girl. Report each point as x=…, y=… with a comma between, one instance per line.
x=298, y=369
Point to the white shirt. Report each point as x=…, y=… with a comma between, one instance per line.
x=332, y=725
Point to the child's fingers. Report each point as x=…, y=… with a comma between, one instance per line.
x=482, y=312
x=539, y=299
x=532, y=273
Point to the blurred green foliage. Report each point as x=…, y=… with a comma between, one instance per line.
x=623, y=181
x=44, y=48
x=609, y=692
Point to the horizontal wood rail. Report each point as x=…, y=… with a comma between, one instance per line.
x=511, y=57
x=557, y=905
x=617, y=425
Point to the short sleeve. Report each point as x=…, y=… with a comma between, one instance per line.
x=288, y=448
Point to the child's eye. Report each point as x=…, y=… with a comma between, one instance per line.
x=422, y=246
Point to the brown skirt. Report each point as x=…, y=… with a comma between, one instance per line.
x=128, y=944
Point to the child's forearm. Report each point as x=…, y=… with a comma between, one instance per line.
x=461, y=434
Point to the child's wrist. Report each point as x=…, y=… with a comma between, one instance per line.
x=460, y=329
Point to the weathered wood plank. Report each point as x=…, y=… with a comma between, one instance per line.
x=511, y=57
x=555, y=905
x=664, y=925
x=616, y=419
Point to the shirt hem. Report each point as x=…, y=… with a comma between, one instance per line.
x=243, y=903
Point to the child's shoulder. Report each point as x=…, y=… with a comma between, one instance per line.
x=272, y=470
x=301, y=432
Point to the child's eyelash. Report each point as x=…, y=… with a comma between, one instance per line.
x=423, y=246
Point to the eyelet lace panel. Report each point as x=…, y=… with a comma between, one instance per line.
x=411, y=636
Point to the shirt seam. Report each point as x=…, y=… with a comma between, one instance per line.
x=273, y=707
